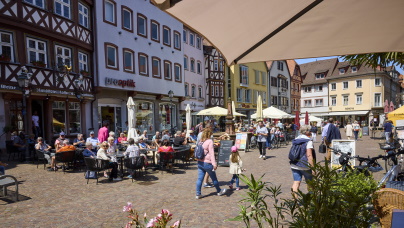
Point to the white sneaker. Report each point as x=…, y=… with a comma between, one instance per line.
x=198, y=197
x=117, y=179
x=222, y=192
x=260, y=156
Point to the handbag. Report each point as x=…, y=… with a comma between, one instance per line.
x=91, y=175
x=322, y=148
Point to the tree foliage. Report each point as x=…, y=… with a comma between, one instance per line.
x=376, y=59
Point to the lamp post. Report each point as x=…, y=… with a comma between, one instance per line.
x=24, y=79
x=171, y=95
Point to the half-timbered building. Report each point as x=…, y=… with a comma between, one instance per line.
x=278, y=85
x=295, y=85
x=53, y=40
x=215, y=77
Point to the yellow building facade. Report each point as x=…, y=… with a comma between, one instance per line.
x=246, y=82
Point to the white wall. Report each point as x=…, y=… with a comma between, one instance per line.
x=110, y=33
x=313, y=96
x=273, y=91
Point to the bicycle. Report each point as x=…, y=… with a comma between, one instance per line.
x=388, y=147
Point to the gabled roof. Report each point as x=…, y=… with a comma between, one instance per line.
x=361, y=70
x=321, y=66
x=292, y=64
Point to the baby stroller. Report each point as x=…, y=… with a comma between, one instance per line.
x=253, y=142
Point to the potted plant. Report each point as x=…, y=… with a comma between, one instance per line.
x=5, y=58
x=84, y=73
x=38, y=63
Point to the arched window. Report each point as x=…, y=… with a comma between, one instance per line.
x=193, y=91
x=185, y=62
x=199, y=67
x=186, y=90
x=192, y=65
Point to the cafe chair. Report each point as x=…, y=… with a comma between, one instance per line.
x=65, y=157
x=95, y=165
x=40, y=158
x=166, y=159
x=136, y=164
x=11, y=149
x=386, y=200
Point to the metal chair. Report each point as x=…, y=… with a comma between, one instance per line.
x=166, y=158
x=8, y=180
x=96, y=165
x=11, y=149
x=65, y=157
x=40, y=157
x=136, y=164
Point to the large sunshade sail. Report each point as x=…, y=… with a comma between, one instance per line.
x=216, y=111
x=262, y=30
x=273, y=113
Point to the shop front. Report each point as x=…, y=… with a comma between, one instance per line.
x=195, y=106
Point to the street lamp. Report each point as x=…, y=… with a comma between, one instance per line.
x=171, y=95
x=24, y=79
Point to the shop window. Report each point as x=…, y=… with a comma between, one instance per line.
x=59, y=117
x=74, y=118
x=62, y=8
x=145, y=116
x=16, y=118
x=167, y=115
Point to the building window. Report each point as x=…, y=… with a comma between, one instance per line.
x=156, y=72
x=193, y=91
x=166, y=36
x=264, y=97
x=354, y=69
x=155, y=31
x=345, y=100
x=177, y=40
x=192, y=39
x=247, y=96
x=198, y=42
x=83, y=15
x=62, y=8
x=128, y=60
x=177, y=72
x=185, y=62
x=83, y=62
x=378, y=100
x=142, y=25
x=212, y=90
x=378, y=82
x=199, y=92
x=112, y=56
x=280, y=65
x=333, y=86
x=358, y=83
x=341, y=70
x=217, y=91
x=167, y=70
x=186, y=90
x=307, y=103
x=39, y=3
x=59, y=114
x=7, y=46
x=74, y=117
x=274, y=81
x=36, y=51
x=127, y=18
x=358, y=99
x=110, y=12
x=345, y=85
x=192, y=65
x=185, y=36
x=199, y=67
x=319, y=88
x=143, y=64
x=319, y=102
x=239, y=95
x=333, y=101
x=257, y=77
x=63, y=55
x=307, y=89
x=215, y=65
x=243, y=75
x=263, y=78
x=274, y=100
x=320, y=76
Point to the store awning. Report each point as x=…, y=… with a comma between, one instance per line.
x=361, y=113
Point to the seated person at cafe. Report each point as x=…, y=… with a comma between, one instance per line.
x=179, y=140
x=93, y=140
x=112, y=134
x=79, y=141
x=88, y=152
x=165, y=149
x=102, y=154
x=144, y=135
x=19, y=143
x=192, y=137
x=165, y=136
x=44, y=148
x=122, y=138
x=112, y=149
x=142, y=144
x=59, y=141
x=66, y=147
x=156, y=139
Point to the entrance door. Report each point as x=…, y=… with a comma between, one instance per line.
x=37, y=108
x=113, y=116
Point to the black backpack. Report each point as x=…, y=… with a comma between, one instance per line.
x=199, y=152
x=298, y=149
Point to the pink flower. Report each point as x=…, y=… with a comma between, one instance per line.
x=150, y=223
x=128, y=207
x=165, y=211
x=128, y=225
x=177, y=223
x=145, y=215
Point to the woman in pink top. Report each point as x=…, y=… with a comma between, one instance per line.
x=207, y=164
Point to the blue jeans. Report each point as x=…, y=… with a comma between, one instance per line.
x=298, y=174
x=2, y=170
x=204, y=167
x=268, y=143
x=236, y=179
x=387, y=134
x=356, y=134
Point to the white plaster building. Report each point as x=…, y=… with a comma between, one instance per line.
x=194, y=72
x=279, y=85
x=139, y=54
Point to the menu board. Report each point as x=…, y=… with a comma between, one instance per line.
x=241, y=140
x=224, y=152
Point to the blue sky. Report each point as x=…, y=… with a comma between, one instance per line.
x=301, y=61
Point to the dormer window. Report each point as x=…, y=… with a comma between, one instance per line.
x=354, y=69
x=320, y=76
x=341, y=71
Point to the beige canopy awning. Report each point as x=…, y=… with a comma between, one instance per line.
x=216, y=111
x=262, y=30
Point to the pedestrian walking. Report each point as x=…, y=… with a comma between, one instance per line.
x=262, y=133
x=332, y=133
x=236, y=167
x=349, y=130
x=388, y=128
x=207, y=164
x=356, y=128
x=313, y=131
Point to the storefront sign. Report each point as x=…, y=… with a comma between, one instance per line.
x=8, y=87
x=349, y=108
x=51, y=91
x=122, y=83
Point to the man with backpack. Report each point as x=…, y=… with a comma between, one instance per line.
x=302, y=157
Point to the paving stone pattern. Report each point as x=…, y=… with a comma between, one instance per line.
x=52, y=199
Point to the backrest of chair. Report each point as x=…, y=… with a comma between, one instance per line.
x=103, y=164
x=143, y=151
x=129, y=163
x=65, y=156
x=91, y=163
x=40, y=154
x=10, y=146
x=138, y=162
x=387, y=200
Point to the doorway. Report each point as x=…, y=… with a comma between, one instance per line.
x=37, y=108
x=112, y=115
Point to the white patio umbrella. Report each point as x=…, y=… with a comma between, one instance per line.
x=312, y=119
x=262, y=30
x=131, y=119
x=259, y=108
x=273, y=113
x=216, y=111
x=188, y=118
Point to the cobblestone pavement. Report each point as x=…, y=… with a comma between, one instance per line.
x=52, y=199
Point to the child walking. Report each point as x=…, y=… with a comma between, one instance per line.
x=236, y=167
